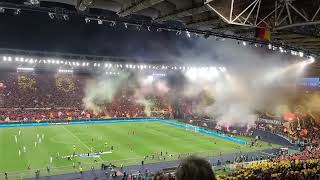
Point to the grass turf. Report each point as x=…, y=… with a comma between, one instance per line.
x=149, y=138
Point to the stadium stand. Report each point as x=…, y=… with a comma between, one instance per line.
x=33, y=97
x=50, y=96
x=303, y=165
x=27, y=97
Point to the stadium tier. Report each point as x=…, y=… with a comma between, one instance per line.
x=48, y=130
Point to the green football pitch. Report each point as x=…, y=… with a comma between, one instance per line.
x=132, y=142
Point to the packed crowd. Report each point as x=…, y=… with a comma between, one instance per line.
x=299, y=166
x=302, y=129
x=305, y=165
x=37, y=97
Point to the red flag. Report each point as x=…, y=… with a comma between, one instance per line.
x=263, y=32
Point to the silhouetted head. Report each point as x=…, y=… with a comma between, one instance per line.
x=194, y=168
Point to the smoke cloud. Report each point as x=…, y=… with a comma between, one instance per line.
x=101, y=90
x=253, y=80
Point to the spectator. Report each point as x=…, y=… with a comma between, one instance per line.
x=194, y=168
x=159, y=176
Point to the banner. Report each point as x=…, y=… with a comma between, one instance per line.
x=270, y=121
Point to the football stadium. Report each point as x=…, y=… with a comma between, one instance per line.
x=159, y=89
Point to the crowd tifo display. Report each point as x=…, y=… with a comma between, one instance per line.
x=28, y=97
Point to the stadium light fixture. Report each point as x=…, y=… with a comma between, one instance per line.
x=2, y=10
x=244, y=43
x=150, y=78
x=28, y=69
x=188, y=34
x=66, y=71
x=222, y=69
x=87, y=20
x=113, y=23
x=269, y=46
x=112, y=73
x=51, y=15
x=100, y=21
x=34, y=2
x=281, y=50
x=66, y=17
x=4, y=58
x=301, y=54
x=17, y=12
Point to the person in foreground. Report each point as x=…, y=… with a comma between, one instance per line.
x=195, y=168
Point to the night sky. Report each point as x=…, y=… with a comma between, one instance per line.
x=34, y=31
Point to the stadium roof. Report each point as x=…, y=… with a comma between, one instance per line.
x=293, y=23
